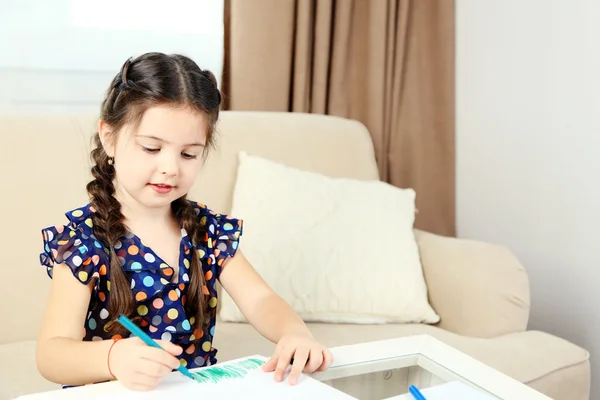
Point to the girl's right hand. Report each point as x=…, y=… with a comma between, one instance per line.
x=141, y=367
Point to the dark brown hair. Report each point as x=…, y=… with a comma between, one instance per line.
x=150, y=80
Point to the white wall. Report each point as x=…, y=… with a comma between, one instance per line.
x=528, y=150
x=59, y=56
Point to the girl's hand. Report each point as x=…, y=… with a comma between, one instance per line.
x=309, y=356
x=141, y=367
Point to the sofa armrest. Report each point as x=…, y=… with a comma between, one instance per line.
x=478, y=289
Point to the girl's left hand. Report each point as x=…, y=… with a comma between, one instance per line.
x=308, y=356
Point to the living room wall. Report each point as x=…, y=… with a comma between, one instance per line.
x=528, y=97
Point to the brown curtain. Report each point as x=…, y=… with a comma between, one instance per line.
x=386, y=63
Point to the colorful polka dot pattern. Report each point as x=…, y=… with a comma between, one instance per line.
x=159, y=299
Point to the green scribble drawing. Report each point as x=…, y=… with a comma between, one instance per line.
x=227, y=371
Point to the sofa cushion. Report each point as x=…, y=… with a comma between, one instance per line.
x=336, y=249
x=18, y=371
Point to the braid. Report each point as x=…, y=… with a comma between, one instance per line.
x=196, y=296
x=108, y=229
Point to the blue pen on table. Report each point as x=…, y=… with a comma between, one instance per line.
x=416, y=393
x=134, y=329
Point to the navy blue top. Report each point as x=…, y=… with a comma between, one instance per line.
x=159, y=299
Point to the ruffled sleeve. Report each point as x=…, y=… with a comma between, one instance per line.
x=223, y=233
x=75, y=246
x=226, y=237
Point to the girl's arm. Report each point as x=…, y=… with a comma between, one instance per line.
x=275, y=320
x=63, y=357
x=61, y=354
x=268, y=313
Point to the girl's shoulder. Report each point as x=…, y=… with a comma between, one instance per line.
x=78, y=219
x=81, y=215
x=74, y=244
x=210, y=217
x=222, y=234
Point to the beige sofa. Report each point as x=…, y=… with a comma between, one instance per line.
x=480, y=290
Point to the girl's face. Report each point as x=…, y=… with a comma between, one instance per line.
x=159, y=162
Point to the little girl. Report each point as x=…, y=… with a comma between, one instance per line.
x=141, y=249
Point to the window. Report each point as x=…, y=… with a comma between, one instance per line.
x=60, y=56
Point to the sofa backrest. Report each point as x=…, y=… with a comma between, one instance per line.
x=45, y=164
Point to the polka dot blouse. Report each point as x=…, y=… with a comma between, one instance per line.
x=158, y=300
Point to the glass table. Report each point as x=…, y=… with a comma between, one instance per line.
x=385, y=369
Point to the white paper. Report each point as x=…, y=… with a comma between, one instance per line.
x=252, y=383
x=256, y=384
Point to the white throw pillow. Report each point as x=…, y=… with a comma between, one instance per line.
x=336, y=249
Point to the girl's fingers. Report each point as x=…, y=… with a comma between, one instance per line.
x=160, y=356
x=154, y=369
x=282, y=363
x=272, y=363
x=327, y=360
x=315, y=360
x=170, y=347
x=300, y=357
